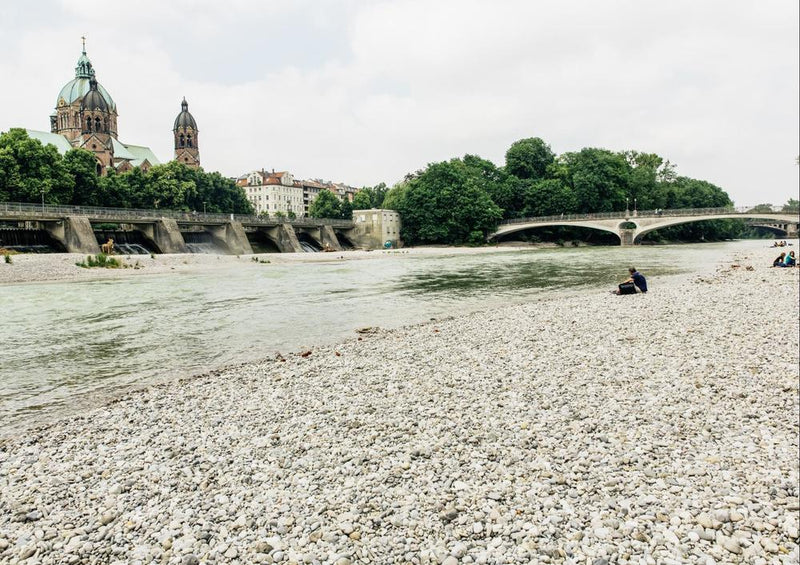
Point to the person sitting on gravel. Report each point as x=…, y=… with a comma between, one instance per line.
x=635, y=283
x=778, y=262
x=790, y=260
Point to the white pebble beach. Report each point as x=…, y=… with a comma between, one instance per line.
x=586, y=429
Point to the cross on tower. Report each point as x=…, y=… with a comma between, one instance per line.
x=83, y=38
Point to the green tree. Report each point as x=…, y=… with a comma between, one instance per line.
x=325, y=205
x=29, y=170
x=548, y=197
x=82, y=166
x=447, y=203
x=599, y=178
x=529, y=158
x=345, y=210
x=791, y=205
x=362, y=200
x=395, y=197
x=761, y=208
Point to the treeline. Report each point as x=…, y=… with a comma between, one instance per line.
x=32, y=172
x=463, y=200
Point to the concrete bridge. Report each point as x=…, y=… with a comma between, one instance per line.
x=73, y=227
x=630, y=226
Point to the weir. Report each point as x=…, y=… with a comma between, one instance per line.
x=161, y=231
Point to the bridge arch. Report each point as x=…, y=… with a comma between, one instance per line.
x=507, y=229
x=669, y=222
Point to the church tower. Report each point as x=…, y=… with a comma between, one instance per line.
x=86, y=114
x=187, y=149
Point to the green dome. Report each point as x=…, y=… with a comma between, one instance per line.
x=78, y=87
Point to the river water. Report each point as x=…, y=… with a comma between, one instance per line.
x=67, y=347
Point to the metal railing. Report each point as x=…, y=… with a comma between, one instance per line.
x=658, y=213
x=122, y=215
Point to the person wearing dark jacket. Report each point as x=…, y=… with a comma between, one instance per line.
x=635, y=283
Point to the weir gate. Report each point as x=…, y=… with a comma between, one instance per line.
x=81, y=229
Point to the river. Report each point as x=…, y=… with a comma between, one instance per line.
x=67, y=347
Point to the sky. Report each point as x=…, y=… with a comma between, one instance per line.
x=362, y=92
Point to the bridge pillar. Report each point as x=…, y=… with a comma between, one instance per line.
x=329, y=239
x=167, y=236
x=626, y=237
x=74, y=233
x=236, y=239
x=230, y=236
x=284, y=237
x=791, y=231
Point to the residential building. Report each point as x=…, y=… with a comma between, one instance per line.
x=273, y=193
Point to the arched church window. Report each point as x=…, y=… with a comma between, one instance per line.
x=105, y=124
x=89, y=125
x=189, y=141
x=77, y=120
x=182, y=141
x=97, y=124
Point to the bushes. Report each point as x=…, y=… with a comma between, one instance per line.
x=102, y=261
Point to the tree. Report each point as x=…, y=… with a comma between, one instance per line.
x=761, y=208
x=30, y=170
x=504, y=189
x=325, y=205
x=345, y=210
x=791, y=205
x=599, y=178
x=395, y=196
x=447, y=203
x=529, y=158
x=82, y=166
x=548, y=197
x=362, y=200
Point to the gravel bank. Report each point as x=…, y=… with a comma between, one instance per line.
x=585, y=429
x=49, y=267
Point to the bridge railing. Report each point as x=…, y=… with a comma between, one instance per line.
x=658, y=213
x=121, y=214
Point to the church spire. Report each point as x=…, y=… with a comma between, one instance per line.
x=84, y=68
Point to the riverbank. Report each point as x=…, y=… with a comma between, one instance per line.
x=52, y=267
x=591, y=427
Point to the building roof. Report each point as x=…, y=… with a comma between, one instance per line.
x=78, y=87
x=46, y=138
x=185, y=119
x=120, y=151
x=94, y=99
x=141, y=154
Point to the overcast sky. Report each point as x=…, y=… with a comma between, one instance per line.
x=360, y=91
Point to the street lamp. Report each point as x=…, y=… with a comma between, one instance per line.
x=634, y=206
x=627, y=209
x=42, y=191
x=204, y=206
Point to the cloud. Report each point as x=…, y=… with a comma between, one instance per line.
x=365, y=91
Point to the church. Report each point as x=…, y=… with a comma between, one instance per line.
x=85, y=117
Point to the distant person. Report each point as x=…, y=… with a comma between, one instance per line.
x=634, y=283
x=778, y=262
x=790, y=260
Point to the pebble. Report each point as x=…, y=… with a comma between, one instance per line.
x=587, y=428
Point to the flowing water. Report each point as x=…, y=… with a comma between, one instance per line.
x=69, y=346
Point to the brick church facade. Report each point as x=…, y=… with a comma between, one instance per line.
x=85, y=117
